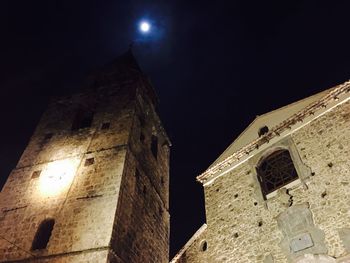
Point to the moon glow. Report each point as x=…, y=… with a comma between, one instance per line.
x=145, y=27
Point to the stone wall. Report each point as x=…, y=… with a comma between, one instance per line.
x=195, y=249
x=86, y=181
x=306, y=221
x=141, y=232
x=80, y=198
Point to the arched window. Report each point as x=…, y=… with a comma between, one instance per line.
x=275, y=171
x=82, y=119
x=43, y=234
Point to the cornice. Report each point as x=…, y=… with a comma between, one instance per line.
x=334, y=97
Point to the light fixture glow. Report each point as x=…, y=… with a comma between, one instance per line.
x=145, y=26
x=57, y=177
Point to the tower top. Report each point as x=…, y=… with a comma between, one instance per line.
x=127, y=61
x=121, y=71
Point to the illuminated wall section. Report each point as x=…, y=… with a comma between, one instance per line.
x=71, y=176
x=94, y=176
x=57, y=177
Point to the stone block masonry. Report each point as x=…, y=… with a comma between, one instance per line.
x=91, y=171
x=307, y=220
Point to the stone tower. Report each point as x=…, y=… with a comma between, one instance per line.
x=92, y=184
x=280, y=191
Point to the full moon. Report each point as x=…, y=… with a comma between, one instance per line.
x=145, y=27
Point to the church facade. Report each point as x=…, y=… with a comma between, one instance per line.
x=280, y=191
x=92, y=184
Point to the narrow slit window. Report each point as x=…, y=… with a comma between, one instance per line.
x=142, y=137
x=142, y=121
x=276, y=171
x=154, y=146
x=43, y=234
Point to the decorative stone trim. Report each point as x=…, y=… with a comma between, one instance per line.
x=286, y=143
x=332, y=97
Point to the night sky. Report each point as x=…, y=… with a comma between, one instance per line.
x=215, y=65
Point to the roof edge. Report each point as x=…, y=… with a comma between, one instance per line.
x=189, y=243
x=331, y=96
x=258, y=117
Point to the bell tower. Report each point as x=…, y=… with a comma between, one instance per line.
x=92, y=184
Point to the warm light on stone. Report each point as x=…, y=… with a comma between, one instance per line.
x=87, y=188
x=302, y=221
x=57, y=177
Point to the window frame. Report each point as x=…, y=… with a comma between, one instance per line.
x=304, y=171
x=270, y=159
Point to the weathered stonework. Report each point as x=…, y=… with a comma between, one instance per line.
x=105, y=189
x=307, y=220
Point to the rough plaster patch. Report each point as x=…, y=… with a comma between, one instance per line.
x=300, y=234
